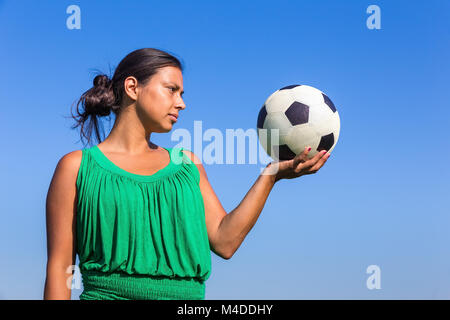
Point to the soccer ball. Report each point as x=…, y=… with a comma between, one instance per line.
x=304, y=116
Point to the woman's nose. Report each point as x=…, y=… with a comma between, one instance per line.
x=181, y=104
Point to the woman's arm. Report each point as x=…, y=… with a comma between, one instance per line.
x=61, y=227
x=235, y=226
x=226, y=232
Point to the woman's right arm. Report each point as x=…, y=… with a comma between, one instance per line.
x=61, y=205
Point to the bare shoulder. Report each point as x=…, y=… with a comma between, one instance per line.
x=71, y=161
x=66, y=170
x=192, y=156
x=198, y=163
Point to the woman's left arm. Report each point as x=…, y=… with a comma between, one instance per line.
x=226, y=232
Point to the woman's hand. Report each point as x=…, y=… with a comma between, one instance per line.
x=299, y=166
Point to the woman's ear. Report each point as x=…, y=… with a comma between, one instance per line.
x=131, y=87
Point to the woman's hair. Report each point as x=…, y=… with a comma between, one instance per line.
x=106, y=94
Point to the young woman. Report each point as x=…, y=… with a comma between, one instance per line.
x=143, y=218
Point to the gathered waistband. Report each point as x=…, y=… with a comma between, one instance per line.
x=122, y=286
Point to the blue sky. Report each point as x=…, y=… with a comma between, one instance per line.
x=381, y=199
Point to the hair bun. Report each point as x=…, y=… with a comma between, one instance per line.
x=102, y=81
x=100, y=99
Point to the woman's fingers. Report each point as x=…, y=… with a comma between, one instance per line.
x=314, y=164
x=302, y=157
x=322, y=159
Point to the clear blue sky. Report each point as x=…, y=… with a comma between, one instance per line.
x=382, y=197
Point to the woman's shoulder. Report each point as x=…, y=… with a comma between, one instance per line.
x=70, y=163
x=201, y=172
x=73, y=157
x=191, y=156
x=63, y=183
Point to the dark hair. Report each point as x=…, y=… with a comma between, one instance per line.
x=106, y=94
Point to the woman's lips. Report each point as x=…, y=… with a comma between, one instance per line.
x=173, y=117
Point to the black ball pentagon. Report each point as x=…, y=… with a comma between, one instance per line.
x=329, y=102
x=297, y=113
x=290, y=87
x=285, y=153
x=261, y=117
x=326, y=142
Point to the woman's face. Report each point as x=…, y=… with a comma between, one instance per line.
x=159, y=98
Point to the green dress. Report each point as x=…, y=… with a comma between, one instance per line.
x=141, y=236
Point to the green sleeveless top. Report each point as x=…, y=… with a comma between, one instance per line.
x=141, y=236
